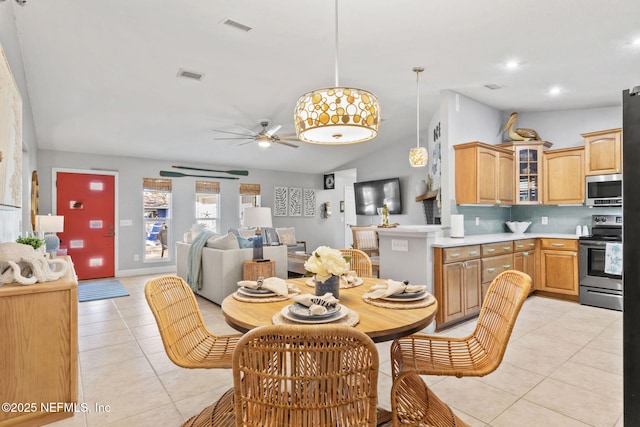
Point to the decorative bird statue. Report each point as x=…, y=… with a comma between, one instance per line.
x=519, y=134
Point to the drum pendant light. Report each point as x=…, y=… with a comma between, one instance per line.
x=418, y=156
x=337, y=115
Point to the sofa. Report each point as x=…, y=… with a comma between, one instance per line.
x=222, y=268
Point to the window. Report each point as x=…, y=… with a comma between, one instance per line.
x=157, y=217
x=208, y=204
x=249, y=197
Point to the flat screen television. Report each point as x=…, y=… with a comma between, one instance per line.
x=371, y=195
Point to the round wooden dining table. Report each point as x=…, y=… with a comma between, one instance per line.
x=379, y=323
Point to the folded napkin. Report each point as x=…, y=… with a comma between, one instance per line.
x=349, y=279
x=326, y=300
x=392, y=287
x=275, y=284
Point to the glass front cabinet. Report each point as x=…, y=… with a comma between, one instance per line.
x=527, y=157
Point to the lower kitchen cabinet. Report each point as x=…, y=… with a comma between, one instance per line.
x=524, y=258
x=559, y=267
x=457, y=273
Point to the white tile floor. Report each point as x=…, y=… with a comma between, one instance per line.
x=563, y=367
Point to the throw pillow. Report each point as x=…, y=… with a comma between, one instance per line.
x=287, y=236
x=228, y=241
x=247, y=232
x=245, y=243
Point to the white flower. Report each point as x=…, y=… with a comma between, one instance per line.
x=325, y=262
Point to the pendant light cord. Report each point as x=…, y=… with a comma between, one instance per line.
x=336, y=59
x=418, y=70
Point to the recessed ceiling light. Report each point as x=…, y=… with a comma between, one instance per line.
x=512, y=65
x=555, y=91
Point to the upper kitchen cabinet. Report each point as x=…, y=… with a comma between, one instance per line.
x=528, y=170
x=603, y=152
x=563, y=176
x=484, y=174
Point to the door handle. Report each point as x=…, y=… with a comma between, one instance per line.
x=557, y=244
x=111, y=234
x=490, y=270
x=455, y=255
x=506, y=266
x=473, y=253
x=491, y=250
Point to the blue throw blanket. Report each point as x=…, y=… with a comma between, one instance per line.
x=194, y=259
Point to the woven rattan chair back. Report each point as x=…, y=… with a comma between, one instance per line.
x=299, y=376
x=476, y=355
x=359, y=262
x=187, y=341
x=365, y=239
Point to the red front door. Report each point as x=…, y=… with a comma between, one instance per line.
x=87, y=203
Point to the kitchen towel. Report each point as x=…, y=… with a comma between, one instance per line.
x=613, y=259
x=457, y=225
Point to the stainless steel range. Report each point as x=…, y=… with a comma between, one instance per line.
x=600, y=284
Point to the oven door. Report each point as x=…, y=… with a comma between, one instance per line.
x=591, y=267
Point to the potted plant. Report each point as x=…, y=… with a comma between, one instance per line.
x=30, y=240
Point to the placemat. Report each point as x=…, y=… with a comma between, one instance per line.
x=351, y=319
x=246, y=298
x=428, y=300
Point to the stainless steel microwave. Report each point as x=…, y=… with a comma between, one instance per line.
x=604, y=190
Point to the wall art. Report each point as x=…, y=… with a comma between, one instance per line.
x=295, y=202
x=280, y=201
x=309, y=202
x=10, y=137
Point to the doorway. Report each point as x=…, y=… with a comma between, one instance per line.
x=87, y=203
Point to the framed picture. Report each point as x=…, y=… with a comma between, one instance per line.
x=280, y=201
x=10, y=137
x=295, y=202
x=341, y=205
x=309, y=202
x=329, y=181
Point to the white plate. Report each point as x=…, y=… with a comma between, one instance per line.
x=301, y=311
x=407, y=297
x=287, y=315
x=246, y=292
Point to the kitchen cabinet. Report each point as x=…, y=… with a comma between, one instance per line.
x=527, y=170
x=603, y=152
x=484, y=174
x=457, y=286
x=563, y=176
x=559, y=267
x=496, y=258
x=39, y=352
x=524, y=258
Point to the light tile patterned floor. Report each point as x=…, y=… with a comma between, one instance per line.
x=563, y=367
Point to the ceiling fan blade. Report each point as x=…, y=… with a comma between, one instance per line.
x=273, y=130
x=286, y=135
x=250, y=138
x=235, y=133
x=286, y=143
x=180, y=175
x=232, y=171
x=253, y=133
x=245, y=143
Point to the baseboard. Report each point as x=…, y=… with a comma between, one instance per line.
x=144, y=271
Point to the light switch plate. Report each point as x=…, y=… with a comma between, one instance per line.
x=399, y=245
x=126, y=223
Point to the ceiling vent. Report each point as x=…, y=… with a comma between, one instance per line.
x=190, y=74
x=493, y=86
x=237, y=25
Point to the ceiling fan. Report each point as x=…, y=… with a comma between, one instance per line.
x=264, y=138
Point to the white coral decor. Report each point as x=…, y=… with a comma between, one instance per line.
x=325, y=262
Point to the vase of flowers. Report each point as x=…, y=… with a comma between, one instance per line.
x=328, y=265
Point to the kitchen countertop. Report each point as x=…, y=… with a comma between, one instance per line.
x=478, y=239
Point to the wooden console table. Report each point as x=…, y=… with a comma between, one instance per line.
x=251, y=269
x=39, y=351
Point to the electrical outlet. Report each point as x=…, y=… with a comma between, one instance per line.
x=399, y=245
x=136, y=257
x=477, y=220
x=545, y=220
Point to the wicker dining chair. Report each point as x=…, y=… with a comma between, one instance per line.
x=477, y=354
x=186, y=340
x=359, y=262
x=415, y=404
x=299, y=376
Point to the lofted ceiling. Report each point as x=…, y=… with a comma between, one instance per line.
x=102, y=75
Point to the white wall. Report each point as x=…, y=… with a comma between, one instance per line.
x=13, y=224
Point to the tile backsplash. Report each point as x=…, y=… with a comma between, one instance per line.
x=561, y=219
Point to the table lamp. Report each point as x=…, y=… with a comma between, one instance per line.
x=50, y=225
x=257, y=217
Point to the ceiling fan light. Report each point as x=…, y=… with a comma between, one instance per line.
x=264, y=142
x=418, y=157
x=337, y=116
